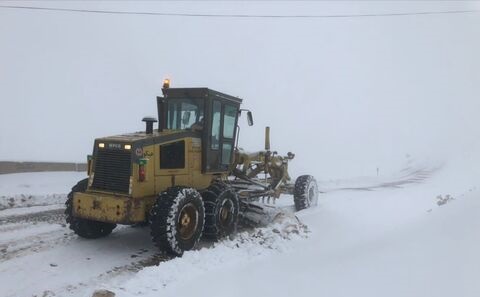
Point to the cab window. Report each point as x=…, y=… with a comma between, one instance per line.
x=216, y=112
x=229, y=118
x=184, y=113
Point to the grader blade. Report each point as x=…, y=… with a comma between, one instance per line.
x=256, y=214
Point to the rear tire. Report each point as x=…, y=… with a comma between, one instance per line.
x=83, y=227
x=305, y=193
x=221, y=211
x=177, y=219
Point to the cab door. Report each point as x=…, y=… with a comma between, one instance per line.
x=220, y=135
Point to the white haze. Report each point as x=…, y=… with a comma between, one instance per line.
x=346, y=95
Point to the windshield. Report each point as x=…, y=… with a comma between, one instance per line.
x=184, y=114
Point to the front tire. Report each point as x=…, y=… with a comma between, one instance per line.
x=305, y=193
x=221, y=211
x=177, y=219
x=83, y=227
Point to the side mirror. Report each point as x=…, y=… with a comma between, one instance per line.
x=250, y=118
x=186, y=118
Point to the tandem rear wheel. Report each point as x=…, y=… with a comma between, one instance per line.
x=221, y=211
x=181, y=216
x=177, y=220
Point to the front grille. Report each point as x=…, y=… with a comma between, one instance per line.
x=112, y=170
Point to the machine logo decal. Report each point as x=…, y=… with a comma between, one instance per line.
x=114, y=146
x=139, y=152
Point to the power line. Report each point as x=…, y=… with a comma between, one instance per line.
x=252, y=16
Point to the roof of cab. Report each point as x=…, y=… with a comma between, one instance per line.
x=198, y=93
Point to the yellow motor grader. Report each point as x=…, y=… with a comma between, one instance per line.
x=188, y=179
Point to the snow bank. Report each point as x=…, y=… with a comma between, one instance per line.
x=241, y=251
x=36, y=188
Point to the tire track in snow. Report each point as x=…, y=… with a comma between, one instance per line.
x=409, y=176
x=39, y=241
x=48, y=216
x=120, y=273
x=33, y=244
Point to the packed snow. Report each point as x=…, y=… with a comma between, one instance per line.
x=363, y=239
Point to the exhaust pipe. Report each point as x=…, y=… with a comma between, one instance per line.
x=149, y=124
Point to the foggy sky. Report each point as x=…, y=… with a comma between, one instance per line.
x=346, y=95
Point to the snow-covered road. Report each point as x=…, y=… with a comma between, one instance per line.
x=377, y=236
x=40, y=256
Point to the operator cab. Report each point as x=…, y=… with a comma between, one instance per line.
x=207, y=114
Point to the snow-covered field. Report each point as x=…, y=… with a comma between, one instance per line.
x=393, y=235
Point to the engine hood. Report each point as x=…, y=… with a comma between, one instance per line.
x=140, y=139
